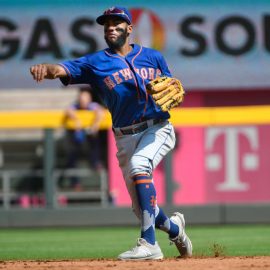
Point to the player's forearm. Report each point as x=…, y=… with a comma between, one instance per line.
x=47, y=71
x=55, y=71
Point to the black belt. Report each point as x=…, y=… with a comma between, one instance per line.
x=137, y=128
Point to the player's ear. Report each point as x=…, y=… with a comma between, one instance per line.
x=130, y=28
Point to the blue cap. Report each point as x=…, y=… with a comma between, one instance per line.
x=119, y=12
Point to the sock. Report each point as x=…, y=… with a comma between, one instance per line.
x=165, y=224
x=146, y=194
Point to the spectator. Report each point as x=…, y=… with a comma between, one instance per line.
x=83, y=143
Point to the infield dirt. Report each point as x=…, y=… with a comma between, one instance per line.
x=220, y=263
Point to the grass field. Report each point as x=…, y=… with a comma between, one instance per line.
x=78, y=243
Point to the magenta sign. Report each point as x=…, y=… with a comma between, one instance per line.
x=237, y=164
x=224, y=164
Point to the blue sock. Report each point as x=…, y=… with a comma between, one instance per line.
x=146, y=194
x=165, y=224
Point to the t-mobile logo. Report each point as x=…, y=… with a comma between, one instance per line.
x=248, y=161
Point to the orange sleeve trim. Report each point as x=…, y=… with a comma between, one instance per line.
x=143, y=181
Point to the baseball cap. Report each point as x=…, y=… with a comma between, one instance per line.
x=120, y=12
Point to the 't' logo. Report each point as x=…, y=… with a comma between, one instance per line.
x=233, y=161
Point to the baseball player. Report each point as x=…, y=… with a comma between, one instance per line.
x=142, y=131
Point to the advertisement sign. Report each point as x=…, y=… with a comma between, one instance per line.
x=207, y=45
x=210, y=166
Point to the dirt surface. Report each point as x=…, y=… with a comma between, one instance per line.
x=220, y=263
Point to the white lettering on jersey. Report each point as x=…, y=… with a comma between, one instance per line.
x=117, y=78
x=126, y=73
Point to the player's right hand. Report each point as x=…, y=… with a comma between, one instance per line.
x=39, y=72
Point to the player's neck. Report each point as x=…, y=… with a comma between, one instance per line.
x=124, y=50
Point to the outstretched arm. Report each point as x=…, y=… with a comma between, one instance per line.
x=47, y=71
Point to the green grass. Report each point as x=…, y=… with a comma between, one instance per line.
x=78, y=243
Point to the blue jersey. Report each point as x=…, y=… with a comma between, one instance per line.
x=121, y=81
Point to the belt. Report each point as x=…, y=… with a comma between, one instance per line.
x=137, y=128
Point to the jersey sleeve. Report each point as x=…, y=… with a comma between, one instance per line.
x=162, y=64
x=78, y=71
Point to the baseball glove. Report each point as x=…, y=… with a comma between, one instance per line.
x=166, y=92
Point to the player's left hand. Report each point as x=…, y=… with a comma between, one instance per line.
x=166, y=92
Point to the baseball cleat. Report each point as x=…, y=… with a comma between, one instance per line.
x=142, y=251
x=181, y=241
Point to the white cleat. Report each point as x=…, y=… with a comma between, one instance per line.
x=181, y=241
x=143, y=251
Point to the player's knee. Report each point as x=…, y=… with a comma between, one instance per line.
x=140, y=165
